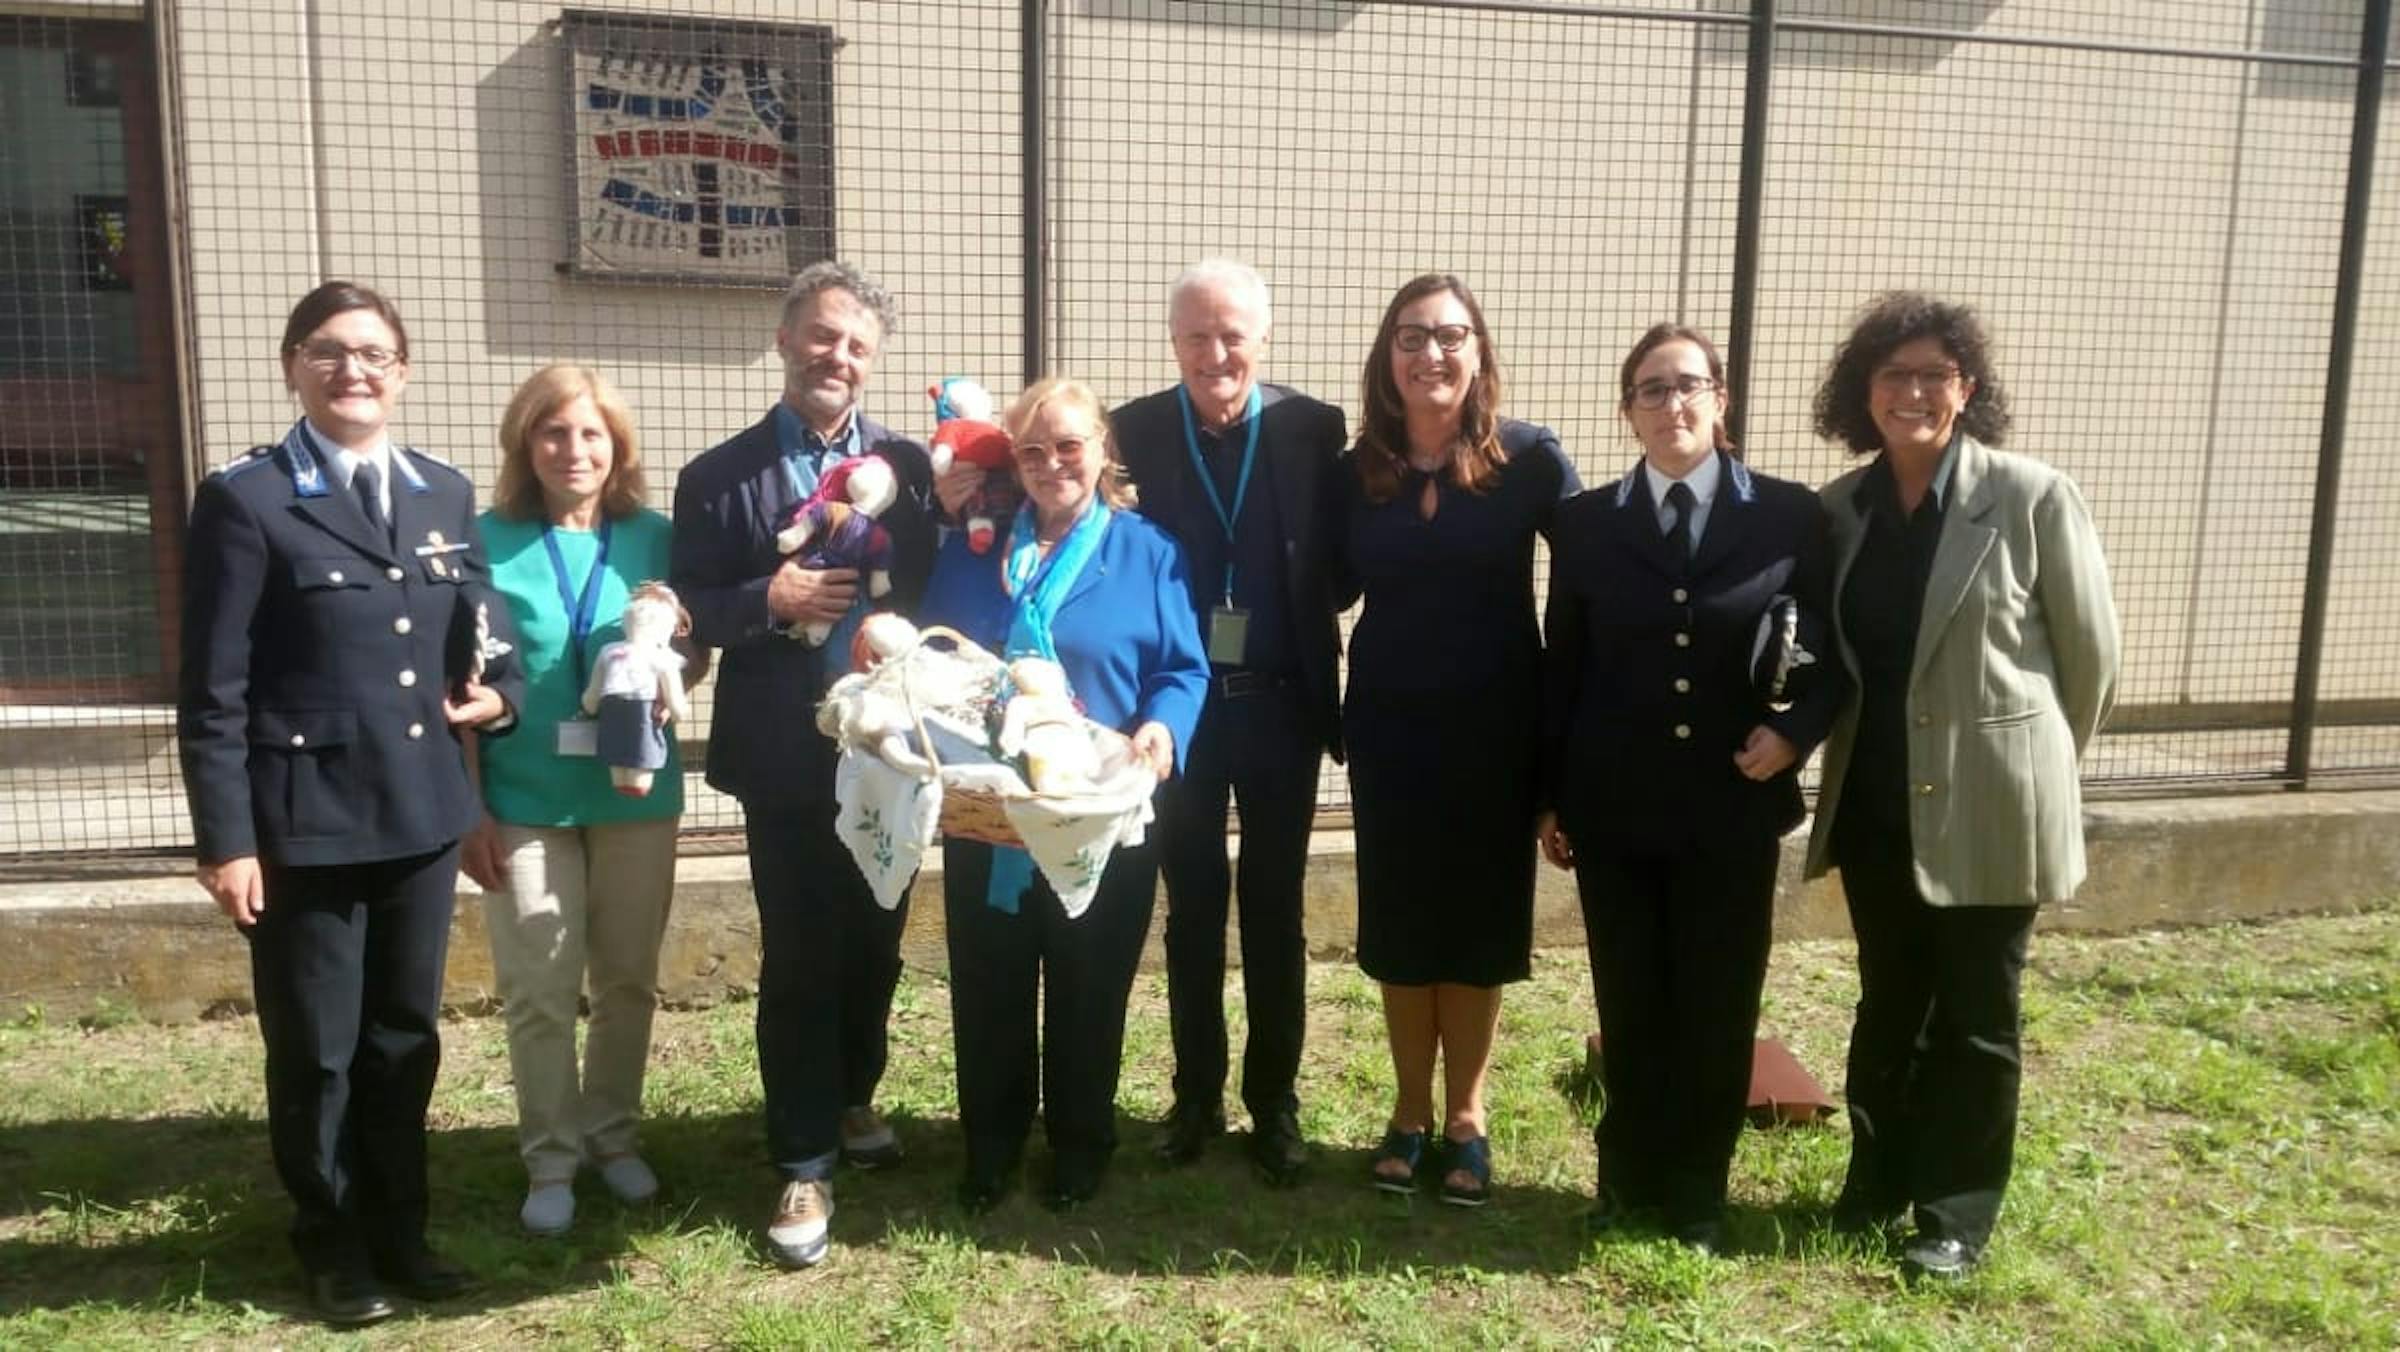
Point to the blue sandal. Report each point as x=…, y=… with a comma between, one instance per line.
x=1473, y=1157
x=1408, y=1147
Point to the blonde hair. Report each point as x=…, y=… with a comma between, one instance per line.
x=519, y=492
x=1115, y=488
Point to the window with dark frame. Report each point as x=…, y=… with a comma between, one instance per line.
x=703, y=149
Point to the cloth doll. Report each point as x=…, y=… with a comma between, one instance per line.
x=966, y=430
x=631, y=679
x=1041, y=724
x=837, y=528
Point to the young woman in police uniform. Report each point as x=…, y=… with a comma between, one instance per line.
x=337, y=633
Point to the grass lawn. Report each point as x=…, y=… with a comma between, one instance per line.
x=2210, y=1152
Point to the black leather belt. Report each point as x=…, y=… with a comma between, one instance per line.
x=1236, y=684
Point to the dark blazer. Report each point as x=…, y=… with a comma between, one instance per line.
x=316, y=657
x=1647, y=691
x=1299, y=440
x=763, y=743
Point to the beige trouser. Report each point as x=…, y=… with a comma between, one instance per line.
x=579, y=898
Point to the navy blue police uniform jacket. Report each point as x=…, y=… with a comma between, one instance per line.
x=763, y=743
x=316, y=657
x=1648, y=689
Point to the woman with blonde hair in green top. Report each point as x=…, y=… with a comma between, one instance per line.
x=576, y=874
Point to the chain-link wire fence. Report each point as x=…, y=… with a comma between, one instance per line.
x=2149, y=201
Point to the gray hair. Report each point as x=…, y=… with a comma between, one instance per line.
x=833, y=275
x=1237, y=278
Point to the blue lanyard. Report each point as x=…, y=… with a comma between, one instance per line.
x=581, y=610
x=1208, y=481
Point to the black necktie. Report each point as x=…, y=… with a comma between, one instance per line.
x=1679, y=497
x=368, y=484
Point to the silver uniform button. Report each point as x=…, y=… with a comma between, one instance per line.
x=394, y=574
x=1683, y=640
x=298, y=740
x=334, y=577
x=408, y=678
x=1682, y=731
x=1683, y=685
x=402, y=625
x=1682, y=596
x=1924, y=790
x=415, y=731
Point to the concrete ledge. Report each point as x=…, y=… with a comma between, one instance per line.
x=155, y=947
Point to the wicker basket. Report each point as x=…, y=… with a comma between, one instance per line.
x=968, y=813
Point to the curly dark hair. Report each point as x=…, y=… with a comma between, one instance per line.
x=1892, y=321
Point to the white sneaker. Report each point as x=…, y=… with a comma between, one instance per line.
x=868, y=1141
x=549, y=1209
x=802, y=1229
x=629, y=1178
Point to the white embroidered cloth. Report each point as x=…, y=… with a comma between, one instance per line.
x=890, y=795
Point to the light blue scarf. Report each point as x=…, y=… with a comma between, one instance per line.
x=1039, y=586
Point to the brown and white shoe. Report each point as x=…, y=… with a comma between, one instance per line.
x=802, y=1231
x=868, y=1141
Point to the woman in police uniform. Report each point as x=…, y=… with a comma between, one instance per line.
x=336, y=634
x=1670, y=773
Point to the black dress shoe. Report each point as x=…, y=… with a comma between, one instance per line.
x=347, y=1299
x=979, y=1193
x=1187, y=1131
x=1941, y=1260
x=1072, y=1185
x=1278, y=1149
x=1861, y=1219
x=1703, y=1237
x=422, y=1274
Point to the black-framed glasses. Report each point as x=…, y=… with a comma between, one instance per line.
x=1655, y=394
x=328, y=357
x=1902, y=379
x=1448, y=337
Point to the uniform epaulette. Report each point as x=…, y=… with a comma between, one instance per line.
x=249, y=459
x=431, y=461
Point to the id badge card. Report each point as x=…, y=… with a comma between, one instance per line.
x=579, y=737
x=1228, y=635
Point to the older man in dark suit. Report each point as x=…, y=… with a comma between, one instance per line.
x=829, y=957
x=1234, y=468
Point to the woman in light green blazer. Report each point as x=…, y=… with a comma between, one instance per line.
x=1972, y=610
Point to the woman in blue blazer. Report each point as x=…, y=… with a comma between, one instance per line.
x=1670, y=774
x=1104, y=592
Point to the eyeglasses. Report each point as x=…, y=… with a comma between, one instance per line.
x=1065, y=453
x=1656, y=394
x=329, y=356
x=1413, y=337
x=1902, y=379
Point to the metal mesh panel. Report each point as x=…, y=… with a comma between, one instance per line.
x=2149, y=220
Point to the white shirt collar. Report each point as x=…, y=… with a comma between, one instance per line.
x=1702, y=481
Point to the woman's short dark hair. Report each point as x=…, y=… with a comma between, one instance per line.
x=1658, y=336
x=1892, y=321
x=335, y=298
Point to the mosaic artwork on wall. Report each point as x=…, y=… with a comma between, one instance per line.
x=703, y=150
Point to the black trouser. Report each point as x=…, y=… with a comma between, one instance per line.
x=828, y=961
x=1678, y=943
x=346, y=965
x=1934, y=1065
x=1079, y=972
x=1255, y=748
